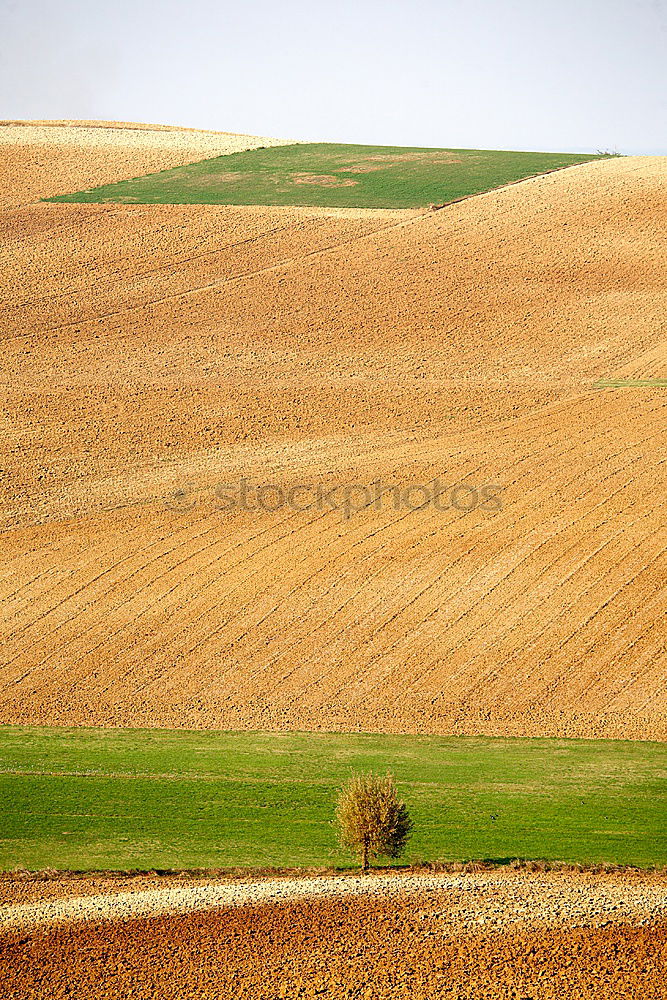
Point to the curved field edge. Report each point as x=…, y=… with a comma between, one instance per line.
x=547, y=897
x=41, y=159
x=165, y=799
x=333, y=175
x=72, y=123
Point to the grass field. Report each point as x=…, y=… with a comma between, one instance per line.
x=328, y=174
x=82, y=799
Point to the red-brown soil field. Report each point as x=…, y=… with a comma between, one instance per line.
x=412, y=945
x=152, y=353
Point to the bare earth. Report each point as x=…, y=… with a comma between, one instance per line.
x=153, y=356
x=493, y=935
x=42, y=159
x=470, y=900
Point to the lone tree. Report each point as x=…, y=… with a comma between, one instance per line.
x=372, y=821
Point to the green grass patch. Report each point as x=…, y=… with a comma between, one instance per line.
x=119, y=799
x=332, y=175
x=631, y=383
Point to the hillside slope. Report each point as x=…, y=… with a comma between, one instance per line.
x=39, y=159
x=153, y=353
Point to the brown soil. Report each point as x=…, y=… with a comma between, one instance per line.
x=461, y=900
x=152, y=353
x=382, y=160
x=42, y=159
x=323, y=180
x=427, y=155
x=358, y=947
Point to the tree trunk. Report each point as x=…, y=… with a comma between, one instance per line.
x=364, y=857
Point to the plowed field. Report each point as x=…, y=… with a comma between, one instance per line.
x=417, y=944
x=40, y=159
x=153, y=356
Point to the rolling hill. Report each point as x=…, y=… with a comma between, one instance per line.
x=41, y=159
x=157, y=357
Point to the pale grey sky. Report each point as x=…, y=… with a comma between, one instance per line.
x=513, y=74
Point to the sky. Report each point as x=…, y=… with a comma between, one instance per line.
x=563, y=75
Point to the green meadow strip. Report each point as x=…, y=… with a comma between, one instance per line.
x=143, y=799
x=333, y=175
